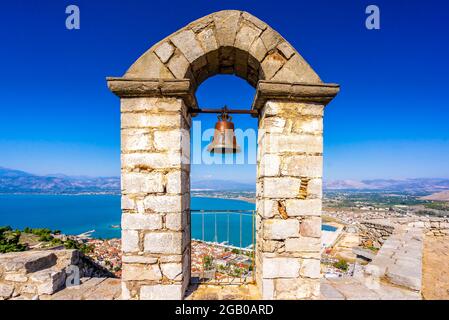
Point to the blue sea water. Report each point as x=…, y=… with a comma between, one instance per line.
x=72, y=214
x=77, y=214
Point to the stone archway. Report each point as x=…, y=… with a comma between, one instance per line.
x=157, y=101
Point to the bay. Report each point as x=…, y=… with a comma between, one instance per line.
x=76, y=214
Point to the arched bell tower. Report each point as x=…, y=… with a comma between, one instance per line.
x=157, y=96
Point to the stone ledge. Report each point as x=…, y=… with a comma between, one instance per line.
x=140, y=87
x=299, y=92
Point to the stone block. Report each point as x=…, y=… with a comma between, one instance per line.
x=280, y=267
x=246, y=36
x=267, y=208
x=15, y=277
x=141, y=272
x=256, y=21
x=177, y=182
x=311, y=227
x=168, y=140
x=173, y=221
x=207, y=40
x=48, y=281
x=163, y=242
x=258, y=50
x=161, y=292
x=296, y=289
x=127, y=203
x=409, y=277
x=135, y=221
x=139, y=259
x=286, y=49
x=164, y=51
x=6, y=291
x=297, y=207
x=281, y=187
x=271, y=64
x=277, y=229
x=150, y=104
x=149, y=66
x=27, y=262
x=310, y=268
x=151, y=161
x=179, y=65
x=148, y=182
x=150, y=120
x=275, y=143
x=308, y=126
x=130, y=241
x=274, y=124
x=269, y=165
x=330, y=293
x=290, y=71
x=226, y=26
x=136, y=140
x=186, y=42
x=303, y=244
x=268, y=289
x=315, y=189
x=126, y=293
x=173, y=271
x=163, y=203
x=270, y=38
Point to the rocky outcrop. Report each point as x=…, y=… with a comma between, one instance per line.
x=375, y=232
x=399, y=261
x=33, y=274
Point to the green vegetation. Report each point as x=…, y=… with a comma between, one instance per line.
x=341, y=264
x=208, y=262
x=431, y=213
x=9, y=240
x=444, y=206
x=373, y=249
x=375, y=199
x=44, y=234
x=72, y=244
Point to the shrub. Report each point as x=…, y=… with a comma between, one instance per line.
x=207, y=262
x=342, y=265
x=9, y=240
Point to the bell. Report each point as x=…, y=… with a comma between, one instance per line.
x=224, y=140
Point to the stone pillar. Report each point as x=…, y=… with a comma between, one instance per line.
x=289, y=188
x=155, y=155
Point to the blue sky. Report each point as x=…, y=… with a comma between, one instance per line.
x=389, y=121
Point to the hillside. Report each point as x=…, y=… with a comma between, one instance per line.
x=16, y=181
x=425, y=185
x=439, y=196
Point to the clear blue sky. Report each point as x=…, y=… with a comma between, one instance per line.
x=391, y=119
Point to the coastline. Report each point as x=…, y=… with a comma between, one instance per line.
x=59, y=194
x=244, y=199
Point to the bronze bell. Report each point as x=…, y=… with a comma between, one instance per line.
x=224, y=140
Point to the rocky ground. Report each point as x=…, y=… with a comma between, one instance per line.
x=435, y=268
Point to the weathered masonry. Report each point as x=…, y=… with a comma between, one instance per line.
x=157, y=97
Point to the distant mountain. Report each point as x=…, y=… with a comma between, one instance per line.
x=222, y=185
x=9, y=173
x=15, y=181
x=415, y=185
x=438, y=196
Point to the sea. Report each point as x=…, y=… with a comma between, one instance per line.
x=213, y=219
